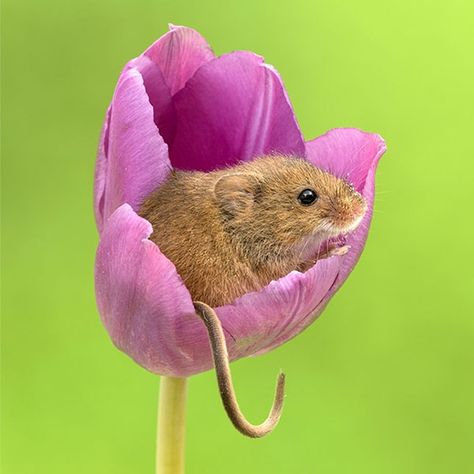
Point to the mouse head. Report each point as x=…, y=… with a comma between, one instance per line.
x=286, y=201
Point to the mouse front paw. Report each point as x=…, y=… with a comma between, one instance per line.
x=330, y=251
x=339, y=251
x=333, y=250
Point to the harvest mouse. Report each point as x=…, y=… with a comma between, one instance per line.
x=233, y=230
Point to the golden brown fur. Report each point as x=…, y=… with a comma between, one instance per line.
x=234, y=230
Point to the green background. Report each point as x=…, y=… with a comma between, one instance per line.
x=383, y=382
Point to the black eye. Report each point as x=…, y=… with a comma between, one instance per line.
x=307, y=197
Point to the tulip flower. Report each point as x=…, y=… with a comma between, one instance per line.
x=177, y=105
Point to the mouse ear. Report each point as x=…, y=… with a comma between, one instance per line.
x=236, y=193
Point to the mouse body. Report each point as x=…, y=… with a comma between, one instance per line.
x=233, y=230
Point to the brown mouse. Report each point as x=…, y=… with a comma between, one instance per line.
x=234, y=230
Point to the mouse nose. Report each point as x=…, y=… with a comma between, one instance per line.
x=349, y=212
x=359, y=206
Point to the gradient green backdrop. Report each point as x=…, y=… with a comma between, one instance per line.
x=383, y=382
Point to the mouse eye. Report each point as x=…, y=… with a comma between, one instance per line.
x=307, y=197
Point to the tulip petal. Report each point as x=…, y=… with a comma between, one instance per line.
x=101, y=172
x=134, y=158
x=178, y=54
x=142, y=300
x=159, y=96
x=233, y=108
x=353, y=155
x=165, y=67
x=348, y=153
x=263, y=320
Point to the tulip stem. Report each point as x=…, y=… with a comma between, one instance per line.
x=171, y=426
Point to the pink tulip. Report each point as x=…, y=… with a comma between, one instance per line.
x=178, y=105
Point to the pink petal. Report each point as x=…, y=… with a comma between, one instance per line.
x=233, y=108
x=354, y=155
x=347, y=153
x=142, y=300
x=166, y=66
x=178, y=54
x=133, y=157
x=263, y=320
x=159, y=96
x=101, y=172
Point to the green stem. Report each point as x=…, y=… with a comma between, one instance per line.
x=171, y=426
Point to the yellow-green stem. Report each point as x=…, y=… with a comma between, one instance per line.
x=171, y=426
